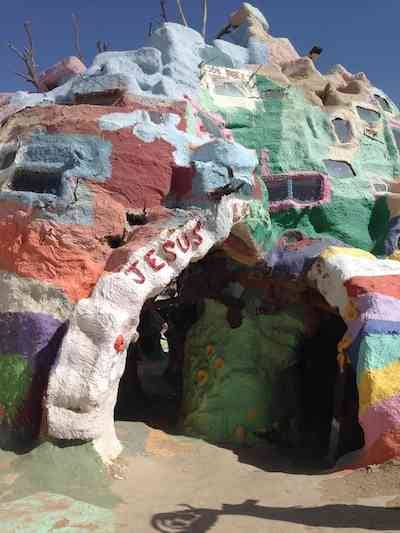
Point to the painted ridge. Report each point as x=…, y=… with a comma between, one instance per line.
x=364, y=289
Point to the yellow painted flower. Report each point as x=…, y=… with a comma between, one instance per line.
x=202, y=377
x=219, y=363
x=210, y=350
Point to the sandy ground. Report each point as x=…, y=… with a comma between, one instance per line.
x=174, y=484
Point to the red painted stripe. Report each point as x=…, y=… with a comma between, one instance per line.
x=388, y=285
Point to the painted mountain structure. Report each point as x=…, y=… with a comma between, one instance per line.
x=229, y=190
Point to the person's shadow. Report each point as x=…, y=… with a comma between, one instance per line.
x=193, y=520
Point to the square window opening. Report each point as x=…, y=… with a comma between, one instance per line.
x=39, y=183
x=278, y=190
x=297, y=190
x=307, y=189
x=396, y=134
x=383, y=103
x=368, y=114
x=339, y=169
x=342, y=129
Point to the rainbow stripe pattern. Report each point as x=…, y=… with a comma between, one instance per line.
x=366, y=290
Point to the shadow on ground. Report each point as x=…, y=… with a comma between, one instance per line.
x=270, y=458
x=198, y=520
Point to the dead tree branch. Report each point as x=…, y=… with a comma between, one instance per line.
x=77, y=37
x=163, y=11
x=103, y=46
x=181, y=13
x=205, y=18
x=28, y=58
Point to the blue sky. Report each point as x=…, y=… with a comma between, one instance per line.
x=360, y=34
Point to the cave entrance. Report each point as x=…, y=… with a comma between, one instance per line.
x=150, y=389
x=314, y=411
x=318, y=399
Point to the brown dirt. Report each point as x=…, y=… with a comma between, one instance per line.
x=370, y=482
x=189, y=486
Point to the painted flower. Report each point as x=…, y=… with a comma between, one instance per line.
x=210, y=350
x=219, y=363
x=251, y=414
x=119, y=344
x=202, y=377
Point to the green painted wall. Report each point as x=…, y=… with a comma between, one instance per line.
x=298, y=136
x=15, y=378
x=229, y=373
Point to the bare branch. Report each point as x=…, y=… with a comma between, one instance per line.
x=205, y=18
x=77, y=37
x=28, y=31
x=24, y=76
x=14, y=49
x=102, y=46
x=163, y=11
x=28, y=58
x=181, y=13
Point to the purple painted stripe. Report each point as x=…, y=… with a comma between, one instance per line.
x=379, y=306
x=380, y=418
x=37, y=337
x=374, y=307
x=28, y=334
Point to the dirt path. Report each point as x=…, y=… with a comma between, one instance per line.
x=173, y=484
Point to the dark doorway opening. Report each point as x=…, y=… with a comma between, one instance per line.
x=150, y=389
x=320, y=400
x=329, y=395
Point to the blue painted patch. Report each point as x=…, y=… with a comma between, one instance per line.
x=392, y=242
x=371, y=327
x=209, y=176
x=228, y=154
x=220, y=163
x=169, y=67
x=295, y=253
x=68, y=160
x=77, y=155
x=238, y=54
x=217, y=57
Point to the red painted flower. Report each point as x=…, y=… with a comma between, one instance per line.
x=119, y=344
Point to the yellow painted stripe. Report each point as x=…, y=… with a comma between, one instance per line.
x=332, y=251
x=395, y=256
x=378, y=385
